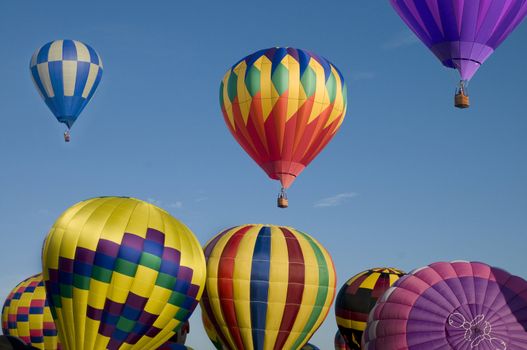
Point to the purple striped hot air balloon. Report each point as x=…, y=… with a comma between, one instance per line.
x=461, y=33
x=451, y=305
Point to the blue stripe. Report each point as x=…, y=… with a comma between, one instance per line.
x=303, y=61
x=260, y=286
x=56, y=77
x=43, y=54
x=279, y=54
x=69, y=51
x=153, y=248
x=38, y=81
x=83, y=70
x=36, y=310
x=50, y=332
x=83, y=269
x=94, y=58
x=103, y=260
x=129, y=254
x=22, y=318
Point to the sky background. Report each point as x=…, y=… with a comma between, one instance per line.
x=407, y=181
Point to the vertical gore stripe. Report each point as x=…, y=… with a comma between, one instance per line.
x=225, y=285
x=295, y=288
x=260, y=286
x=322, y=293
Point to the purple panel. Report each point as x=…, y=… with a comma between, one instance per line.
x=155, y=236
x=108, y=247
x=133, y=241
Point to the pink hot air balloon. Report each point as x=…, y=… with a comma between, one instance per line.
x=461, y=33
x=457, y=305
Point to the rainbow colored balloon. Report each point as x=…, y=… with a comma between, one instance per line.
x=283, y=106
x=121, y=273
x=26, y=315
x=268, y=287
x=357, y=297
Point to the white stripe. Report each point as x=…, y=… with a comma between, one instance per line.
x=69, y=76
x=83, y=55
x=92, y=75
x=55, y=51
x=34, y=59
x=43, y=73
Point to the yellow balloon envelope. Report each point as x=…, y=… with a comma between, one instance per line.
x=120, y=274
x=268, y=287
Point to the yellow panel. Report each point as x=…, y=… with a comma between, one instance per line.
x=278, y=285
x=144, y=283
x=266, y=86
x=242, y=281
x=92, y=77
x=79, y=315
x=55, y=51
x=293, y=102
x=226, y=101
x=338, y=103
x=393, y=278
x=69, y=77
x=369, y=282
x=244, y=97
x=83, y=55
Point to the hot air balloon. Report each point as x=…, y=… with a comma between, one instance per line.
x=309, y=346
x=66, y=74
x=211, y=332
x=26, y=315
x=451, y=305
x=268, y=287
x=357, y=297
x=120, y=273
x=462, y=33
x=340, y=342
x=283, y=106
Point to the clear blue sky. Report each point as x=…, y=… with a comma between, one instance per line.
x=409, y=180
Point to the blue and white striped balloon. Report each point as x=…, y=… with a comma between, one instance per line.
x=66, y=74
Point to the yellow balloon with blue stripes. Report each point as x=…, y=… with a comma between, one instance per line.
x=268, y=287
x=121, y=274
